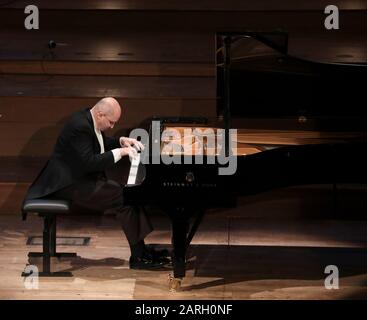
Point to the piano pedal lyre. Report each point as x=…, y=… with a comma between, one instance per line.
x=174, y=284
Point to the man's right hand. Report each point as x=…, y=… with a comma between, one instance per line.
x=128, y=151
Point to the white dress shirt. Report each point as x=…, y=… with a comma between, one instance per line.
x=116, y=152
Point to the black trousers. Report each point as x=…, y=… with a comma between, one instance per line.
x=107, y=196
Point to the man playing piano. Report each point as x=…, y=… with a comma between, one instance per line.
x=76, y=172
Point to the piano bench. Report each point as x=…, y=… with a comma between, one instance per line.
x=48, y=209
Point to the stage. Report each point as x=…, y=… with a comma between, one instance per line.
x=234, y=255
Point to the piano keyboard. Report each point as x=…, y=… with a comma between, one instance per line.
x=133, y=170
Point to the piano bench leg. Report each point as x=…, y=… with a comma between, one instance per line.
x=49, y=250
x=47, y=264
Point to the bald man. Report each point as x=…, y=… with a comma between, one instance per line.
x=76, y=172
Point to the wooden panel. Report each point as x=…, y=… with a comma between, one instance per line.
x=101, y=86
x=34, y=123
x=202, y=5
x=20, y=169
x=11, y=197
x=77, y=43
x=28, y=138
x=54, y=110
x=108, y=68
x=169, y=49
x=97, y=21
x=40, y=110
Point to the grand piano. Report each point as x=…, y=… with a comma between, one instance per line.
x=296, y=122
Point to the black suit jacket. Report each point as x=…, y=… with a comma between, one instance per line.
x=76, y=156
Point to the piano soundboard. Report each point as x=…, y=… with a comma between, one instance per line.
x=194, y=140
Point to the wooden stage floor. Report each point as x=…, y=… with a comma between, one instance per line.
x=231, y=258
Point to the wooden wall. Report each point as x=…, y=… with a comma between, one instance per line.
x=156, y=57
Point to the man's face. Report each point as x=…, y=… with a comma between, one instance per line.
x=107, y=121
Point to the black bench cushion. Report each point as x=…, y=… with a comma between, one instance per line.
x=46, y=206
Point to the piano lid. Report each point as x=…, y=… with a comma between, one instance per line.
x=268, y=87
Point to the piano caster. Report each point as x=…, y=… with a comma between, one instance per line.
x=174, y=284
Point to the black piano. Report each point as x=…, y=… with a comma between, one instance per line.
x=297, y=122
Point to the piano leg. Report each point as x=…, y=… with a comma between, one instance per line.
x=180, y=224
x=181, y=238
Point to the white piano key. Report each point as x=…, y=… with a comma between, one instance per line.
x=133, y=170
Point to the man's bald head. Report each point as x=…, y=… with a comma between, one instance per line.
x=106, y=113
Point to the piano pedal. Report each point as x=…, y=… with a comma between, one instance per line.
x=174, y=284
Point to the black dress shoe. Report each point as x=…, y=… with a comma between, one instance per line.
x=155, y=254
x=144, y=263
